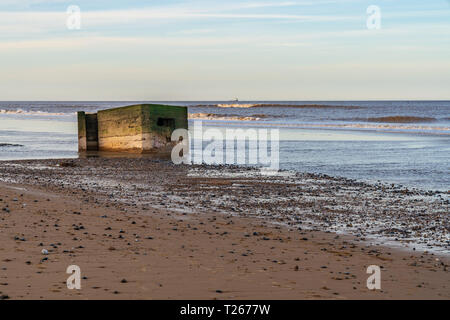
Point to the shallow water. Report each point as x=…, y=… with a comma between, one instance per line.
x=338, y=141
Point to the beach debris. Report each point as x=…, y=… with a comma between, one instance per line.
x=67, y=164
x=10, y=145
x=44, y=251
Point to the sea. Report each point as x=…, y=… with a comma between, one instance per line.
x=401, y=142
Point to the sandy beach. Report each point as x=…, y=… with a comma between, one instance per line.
x=147, y=229
x=216, y=154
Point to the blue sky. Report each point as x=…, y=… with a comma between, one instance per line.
x=218, y=50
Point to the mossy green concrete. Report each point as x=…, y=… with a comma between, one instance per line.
x=152, y=113
x=137, y=128
x=125, y=121
x=82, y=142
x=81, y=124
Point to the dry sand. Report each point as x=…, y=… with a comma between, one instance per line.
x=90, y=213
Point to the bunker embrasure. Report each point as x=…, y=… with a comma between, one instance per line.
x=141, y=128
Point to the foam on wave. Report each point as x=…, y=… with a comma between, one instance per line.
x=232, y=117
x=34, y=113
x=10, y=145
x=376, y=126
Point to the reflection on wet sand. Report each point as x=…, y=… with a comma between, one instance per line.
x=166, y=156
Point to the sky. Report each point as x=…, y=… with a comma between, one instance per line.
x=169, y=50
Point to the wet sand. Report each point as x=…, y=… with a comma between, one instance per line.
x=146, y=229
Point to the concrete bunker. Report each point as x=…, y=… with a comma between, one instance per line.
x=144, y=128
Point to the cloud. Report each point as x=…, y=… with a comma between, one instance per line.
x=52, y=21
x=206, y=38
x=124, y=16
x=195, y=31
x=29, y=3
x=49, y=21
x=48, y=29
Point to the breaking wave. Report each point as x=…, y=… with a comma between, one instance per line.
x=232, y=117
x=277, y=105
x=445, y=130
x=10, y=145
x=34, y=113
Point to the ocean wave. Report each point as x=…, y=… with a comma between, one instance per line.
x=232, y=117
x=10, y=145
x=374, y=126
x=360, y=126
x=306, y=106
x=34, y=113
x=225, y=105
x=401, y=119
x=277, y=105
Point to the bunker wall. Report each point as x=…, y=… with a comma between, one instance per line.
x=87, y=132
